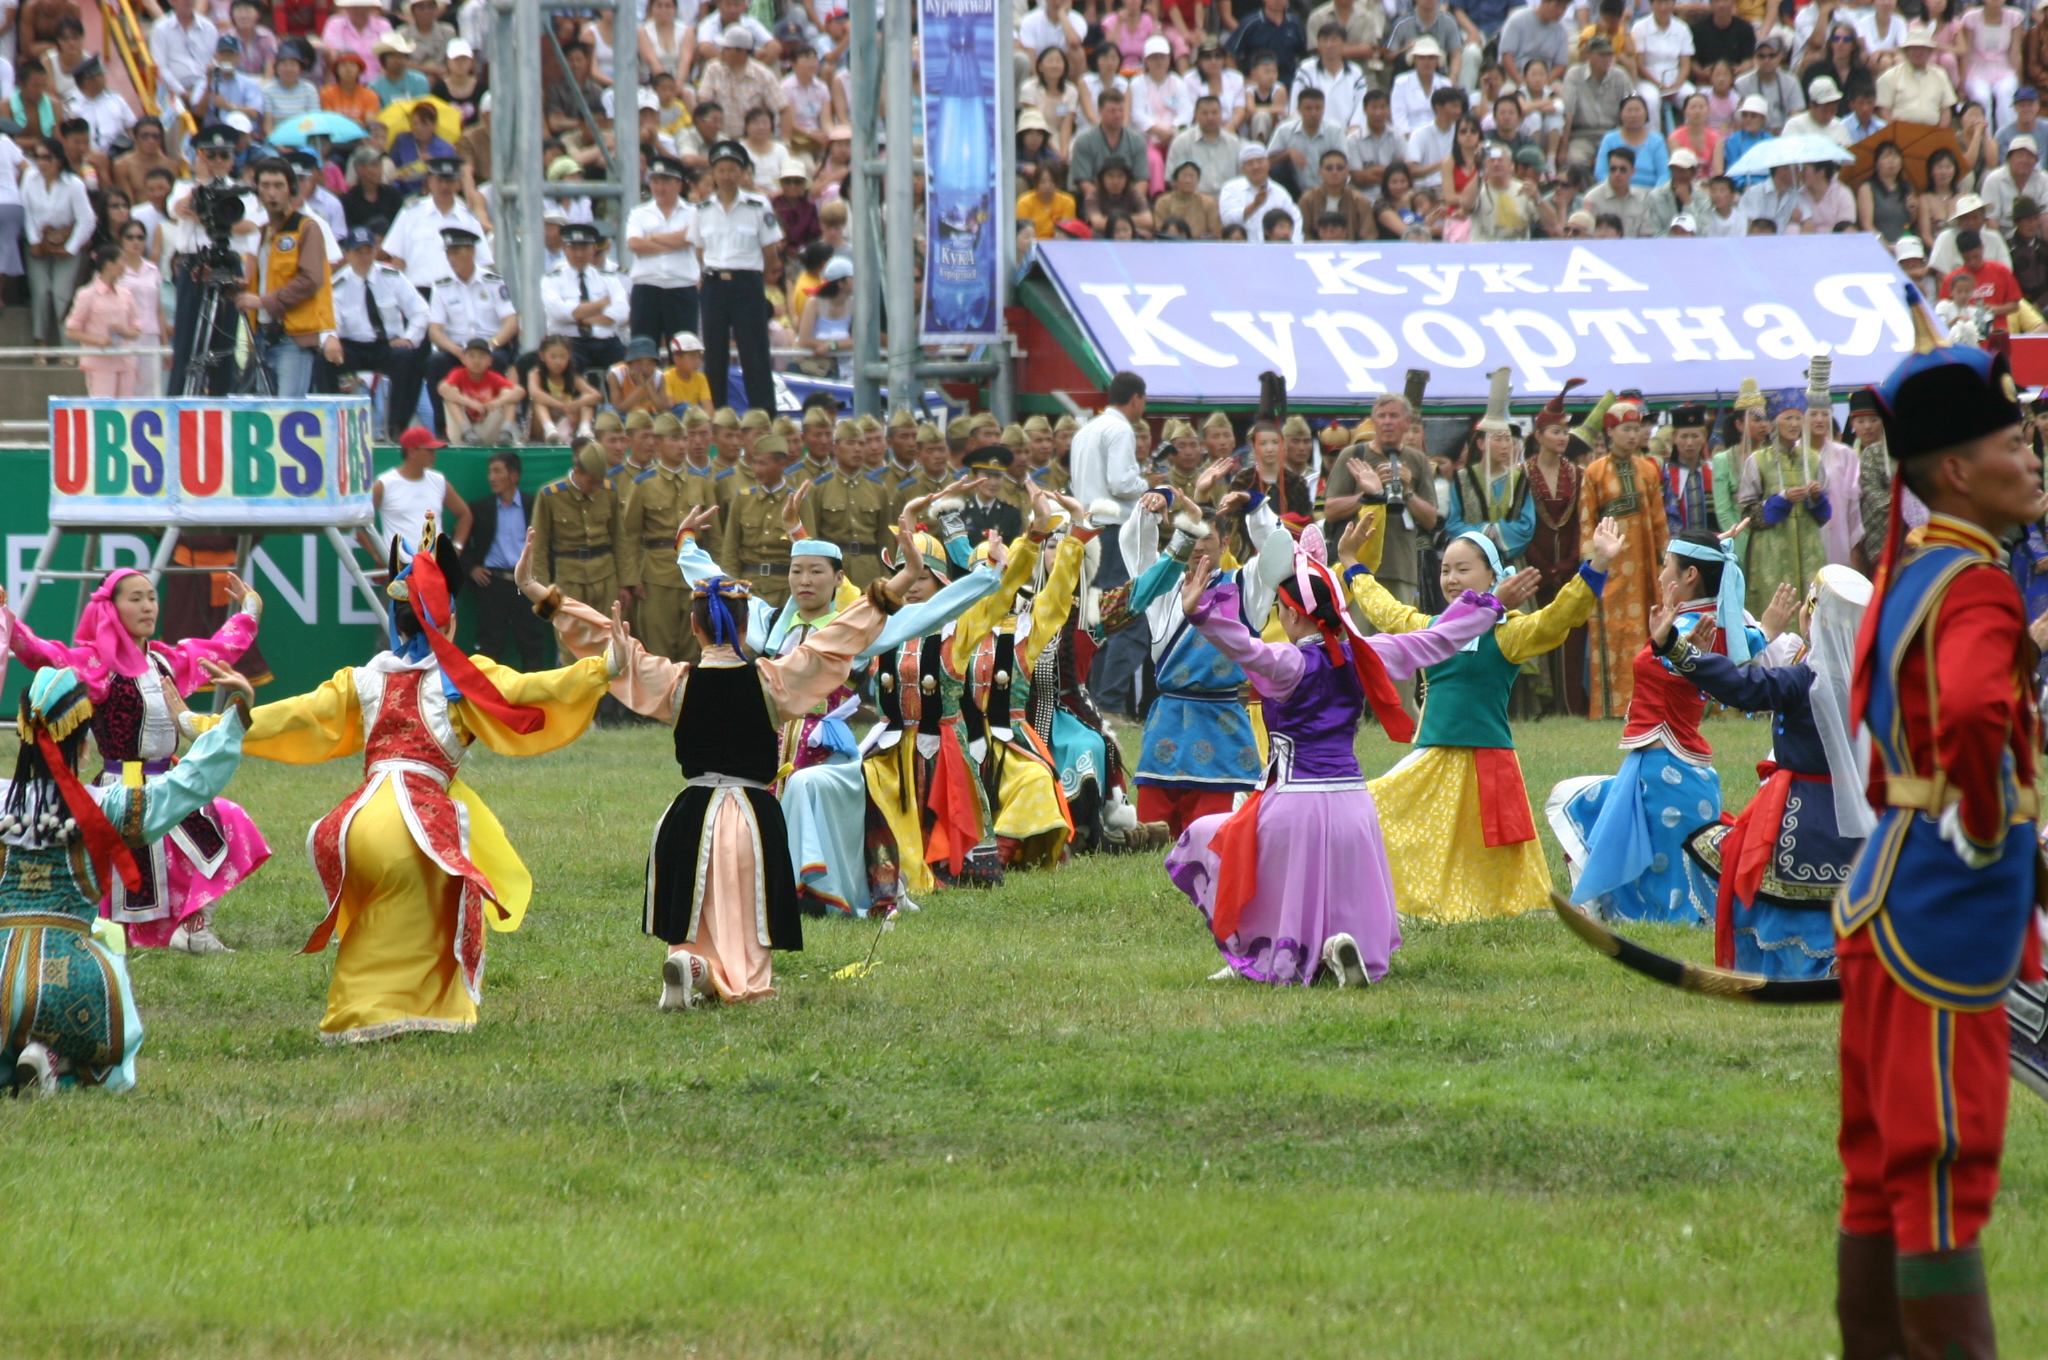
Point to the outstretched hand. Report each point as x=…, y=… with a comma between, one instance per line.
x=522, y=573
x=1608, y=541
x=230, y=680
x=1356, y=534
x=1194, y=582
x=1778, y=613
x=1664, y=616
x=621, y=639
x=1515, y=591
x=699, y=519
x=792, y=508
x=1366, y=477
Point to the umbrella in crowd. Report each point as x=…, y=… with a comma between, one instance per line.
x=298, y=131
x=1916, y=142
x=447, y=118
x=1765, y=157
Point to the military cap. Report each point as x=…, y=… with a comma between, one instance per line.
x=1037, y=425
x=639, y=420
x=581, y=234
x=591, y=459
x=726, y=419
x=756, y=419
x=667, y=424
x=608, y=422
x=772, y=443
x=817, y=418
x=901, y=419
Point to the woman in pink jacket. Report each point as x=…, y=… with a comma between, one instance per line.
x=103, y=315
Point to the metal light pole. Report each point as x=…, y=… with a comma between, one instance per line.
x=866, y=225
x=904, y=227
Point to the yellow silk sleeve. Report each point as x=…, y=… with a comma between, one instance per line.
x=567, y=695
x=994, y=607
x=1055, y=602
x=309, y=728
x=1388, y=614
x=1524, y=636
x=1375, y=547
x=491, y=851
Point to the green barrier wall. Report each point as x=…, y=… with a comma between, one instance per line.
x=314, y=620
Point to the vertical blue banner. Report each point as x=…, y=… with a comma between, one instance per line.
x=962, y=160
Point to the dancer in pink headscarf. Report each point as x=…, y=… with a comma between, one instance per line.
x=137, y=687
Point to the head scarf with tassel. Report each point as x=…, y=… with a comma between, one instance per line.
x=722, y=592
x=53, y=708
x=428, y=584
x=1299, y=591
x=1728, y=604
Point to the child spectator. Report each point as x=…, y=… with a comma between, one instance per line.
x=346, y=94
x=477, y=398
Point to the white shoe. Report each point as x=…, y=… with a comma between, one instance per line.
x=1341, y=957
x=185, y=940
x=683, y=975
x=35, y=1072
x=1224, y=974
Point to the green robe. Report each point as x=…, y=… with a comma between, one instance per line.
x=1791, y=551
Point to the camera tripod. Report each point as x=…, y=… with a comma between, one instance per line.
x=220, y=284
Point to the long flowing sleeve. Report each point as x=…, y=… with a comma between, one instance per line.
x=36, y=652
x=1275, y=667
x=799, y=682
x=567, y=696
x=1138, y=540
x=978, y=621
x=646, y=683
x=1524, y=636
x=309, y=728
x=917, y=620
x=195, y=781
x=1055, y=599
x=1517, y=533
x=1379, y=606
x=1403, y=654
x=1122, y=604
x=224, y=648
x=1751, y=689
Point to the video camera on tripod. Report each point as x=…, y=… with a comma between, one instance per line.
x=218, y=271
x=218, y=206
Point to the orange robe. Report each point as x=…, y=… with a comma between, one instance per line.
x=1621, y=625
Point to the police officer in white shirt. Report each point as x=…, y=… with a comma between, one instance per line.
x=185, y=237
x=664, y=269
x=586, y=303
x=414, y=242
x=741, y=241
x=382, y=321
x=467, y=301
x=317, y=200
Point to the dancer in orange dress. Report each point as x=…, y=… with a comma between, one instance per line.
x=1626, y=487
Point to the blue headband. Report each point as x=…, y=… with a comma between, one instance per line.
x=1734, y=591
x=1486, y=546
x=816, y=547
x=724, y=630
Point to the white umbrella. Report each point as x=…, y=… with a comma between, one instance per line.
x=1810, y=149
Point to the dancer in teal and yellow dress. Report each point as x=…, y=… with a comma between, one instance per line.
x=66, y=1003
x=1460, y=835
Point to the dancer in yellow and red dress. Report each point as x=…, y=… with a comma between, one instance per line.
x=1938, y=919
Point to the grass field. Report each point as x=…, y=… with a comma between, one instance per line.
x=1035, y=1130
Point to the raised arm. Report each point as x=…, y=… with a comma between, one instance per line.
x=1275, y=667
x=226, y=645
x=1406, y=653
x=1529, y=635
x=803, y=679
x=305, y=729
x=1751, y=689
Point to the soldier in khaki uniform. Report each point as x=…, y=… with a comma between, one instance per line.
x=928, y=478
x=1016, y=483
x=578, y=530
x=1041, y=469
x=756, y=548
x=639, y=454
x=817, y=445
x=1219, y=437
x=727, y=479
x=900, y=434
x=1184, y=458
x=610, y=431
x=753, y=425
x=874, y=445
x=662, y=496
x=1063, y=431
x=726, y=447
x=849, y=509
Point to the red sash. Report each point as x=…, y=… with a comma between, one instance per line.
x=956, y=819
x=1503, y=799
x=1746, y=850
x=1236, y=844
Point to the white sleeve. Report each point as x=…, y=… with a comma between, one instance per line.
x=1126, y=480
x=1139, y=541
x=556, y=302
x=621, y=310
x=414, y=309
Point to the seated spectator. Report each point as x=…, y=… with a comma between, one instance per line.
x=1185, y=202
x=768, y=152
x=290, y=95
x=397, y=82
x=1695, y=136
x=462, y=86
x=1396, y=210
x=370, y=203
x=1616, y=196
x=809, y=103
x=1823, y=200
x=1723, y=216
x=1116, y=191
x=62, y=59
x=131, y=167
x=1172, y=228
x=356, y=26
x=826, y=326
x=562, y=400
x=1501, y=210
x=152, y=210
x=1279, y=224
x=1263, y=106
x=1046, y=204
x=1235, y=232
x=1507, y=128
x=259, y=44
x=477, y=398
x=1652, y=158
x=1062, y=104
x=346, y=94
x=794, y=210
x=683, y=382
x=419, y=143
x=697, y=139
x=813, y=257
x=428, y=39
x=1748, y=134
x=1104, y=74
x=1331, y=227
x=1333, y=194
x=79, y=157
x=1034, y=145
x=227, y=89
x=109, y=114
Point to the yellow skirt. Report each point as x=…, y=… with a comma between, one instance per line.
x=892, y=787
x=396, y=970
x=1443, y=869
x=1028, y=809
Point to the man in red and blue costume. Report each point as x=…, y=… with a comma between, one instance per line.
x=1938, y=918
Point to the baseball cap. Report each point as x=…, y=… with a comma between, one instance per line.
x=1754, y=104
x=838, y=267
x=420, y=437
x=686, y=341
x=1684, y=159
x=1909, y=248
x=1824, y=91
x=739, y=35
x=1156, y=46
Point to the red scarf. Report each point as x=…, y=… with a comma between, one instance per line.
x=430, y=602
x=102, y=842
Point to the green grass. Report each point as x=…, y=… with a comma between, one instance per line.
x=1033, y=1131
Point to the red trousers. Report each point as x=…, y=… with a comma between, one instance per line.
x=1178, y=807
x=1923, y=1109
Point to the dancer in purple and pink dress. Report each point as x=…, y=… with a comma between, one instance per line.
x=137, y=687
x=1296, y=880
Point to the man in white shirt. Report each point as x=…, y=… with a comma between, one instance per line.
x=185, y=237
x=1247, y=199
x=2019, y=177
x=1664, y=46
x=414, y=242
x=1343, y=84
x=1823, y=98
x=1724, y=218
x=1208, y=145
x=1053, y=24
x=381, y=320
x=1106, y=477
x=586, y=303
x=1776, y=198
x=106, y=111
x=1971, y=214
x=664, y=268
x=1883, y=32
x=182, y=43
x=1429, y=146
